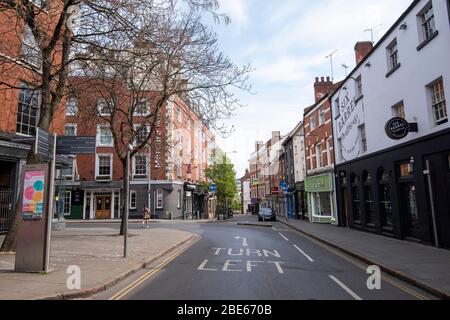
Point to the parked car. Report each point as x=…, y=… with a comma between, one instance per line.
x=266, y=214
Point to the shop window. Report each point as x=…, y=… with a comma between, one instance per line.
x=133, y=200
x=159, y=199
x=368, y=200
x=385, y=199
x=406, y=170
x=179, y=199
x=356, y=200
x=67, y=203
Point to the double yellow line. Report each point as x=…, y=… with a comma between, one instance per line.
x=122, y=293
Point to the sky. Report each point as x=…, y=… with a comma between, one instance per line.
x=286, y=42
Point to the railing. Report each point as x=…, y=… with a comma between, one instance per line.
x=6, y=205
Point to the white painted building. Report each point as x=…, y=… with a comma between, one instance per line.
x=390, y=124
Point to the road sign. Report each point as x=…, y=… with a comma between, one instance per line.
x=213, y=188
x=75, y=145
x=44, y=144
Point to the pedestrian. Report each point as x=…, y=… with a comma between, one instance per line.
x=146, y=217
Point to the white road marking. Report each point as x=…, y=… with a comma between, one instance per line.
x=303, y=253
x=231, y=263
x=284, y=237
x=274, y=229
x=203, y=265
x=244, y=242
x=278, y=265
x=251, y=264
x=343, y=286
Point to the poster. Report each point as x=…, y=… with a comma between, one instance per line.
x=33, y=195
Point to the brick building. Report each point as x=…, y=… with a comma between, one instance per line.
x=20, y=62
x=166, y=176
x=319, y=148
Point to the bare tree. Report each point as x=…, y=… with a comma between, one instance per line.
x=173, y=58
x=49, y=44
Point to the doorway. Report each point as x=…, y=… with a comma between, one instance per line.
x=409, y=209
x=103, y=207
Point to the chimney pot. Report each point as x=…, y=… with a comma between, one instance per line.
x=328, y=79
x=322, y=79
x=317, y=79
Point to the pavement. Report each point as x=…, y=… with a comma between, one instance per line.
x=98, y=252
x=423, y=266
x=242, y=260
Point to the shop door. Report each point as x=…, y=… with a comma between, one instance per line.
x=346, y=206
x=103, y=207
x=409, y=209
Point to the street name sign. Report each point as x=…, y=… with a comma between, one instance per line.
x=75, y=145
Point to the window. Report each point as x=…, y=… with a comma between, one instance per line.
x=328, y=162
x=311, y=163
x=67, y=203
x=406, y=169
x=70, y=130
x=392, y=51
x=362, y=130
x=27, y=112
x=427, y=21
x=133, y=200
x=141, y=109
x=340, y=150
x=104, y=136
x=356, y=200
x=337, y=108
x=67, y=171
x=319, y=155
x=179, y=199
x=140, y=166
x=312, y=122
x=438, y=102
x=141, y=133
x=159, y=199
x=368, y=200
x=179, y=115
x=104, y=164
x=104, y=107
x=321, y=116
x=358, y=88
x=72, y=107
x=30, y=50
x=385, y=199
x=398, y=110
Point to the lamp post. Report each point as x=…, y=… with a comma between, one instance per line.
x=127, y=201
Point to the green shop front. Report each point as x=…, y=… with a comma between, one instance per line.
x=321, y=197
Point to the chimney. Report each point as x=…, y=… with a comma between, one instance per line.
x=322, y=87
x=362, y=49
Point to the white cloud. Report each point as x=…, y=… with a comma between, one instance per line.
x=235, y=9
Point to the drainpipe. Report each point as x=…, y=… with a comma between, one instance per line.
x=427, y=173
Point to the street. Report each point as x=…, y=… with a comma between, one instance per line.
x=241, y=262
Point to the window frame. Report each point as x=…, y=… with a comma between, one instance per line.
x=72, y=108
x=24, y=90
x=395, y=110
x=358, y=88
x=107, y=104
x=133, y=207
x=159, y=200
x=67, y=204
x=75, y=129
x=135, y=166
x=97, y=166
x=441, y=104
x=99, y=136
x=363, y=136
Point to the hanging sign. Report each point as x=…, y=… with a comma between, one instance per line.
x=397, y=128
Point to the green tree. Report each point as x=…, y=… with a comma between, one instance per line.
x=222, y=174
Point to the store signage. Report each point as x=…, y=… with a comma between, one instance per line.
x=397, y=128
x=75, y=145
x=322, y=183
x=275, y=191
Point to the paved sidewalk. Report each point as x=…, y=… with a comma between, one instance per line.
x=135, y=221
x=420, y=265
x=99, y=254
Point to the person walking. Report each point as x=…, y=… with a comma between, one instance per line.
x=146, y=217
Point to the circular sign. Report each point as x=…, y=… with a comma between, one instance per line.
x=397, y=128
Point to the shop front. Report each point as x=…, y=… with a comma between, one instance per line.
x=321, y=199
x=402, y=192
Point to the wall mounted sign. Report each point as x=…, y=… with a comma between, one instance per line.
x=397, y=128
x=349, y=118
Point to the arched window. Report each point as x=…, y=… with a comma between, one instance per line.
x=356, y=200
x=385, y=198
x=369, y=203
